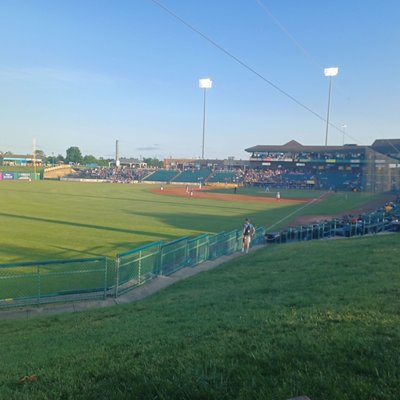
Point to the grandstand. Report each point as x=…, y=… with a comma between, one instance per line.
x=192, y=176
x=161, y=175
x=349, y=167
x=222, y=177
x=374, y=168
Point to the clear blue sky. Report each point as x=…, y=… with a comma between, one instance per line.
x=85, y=73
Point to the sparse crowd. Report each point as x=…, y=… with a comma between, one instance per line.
x=278, y=178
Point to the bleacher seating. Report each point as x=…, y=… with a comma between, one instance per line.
x=162, y=175
x=222, y=177
x=337, y=180
x=193, y=176
x=300, y=177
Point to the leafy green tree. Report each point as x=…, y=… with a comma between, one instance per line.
x=60, y=158
x=41, y=155
x=89, y=159
x=104, y=162
x=74, y=155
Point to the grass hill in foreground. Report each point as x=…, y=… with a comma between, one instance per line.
x=317, y=318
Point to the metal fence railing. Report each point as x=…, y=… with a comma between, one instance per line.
x=197, y=251
x=135, y=267
x=50, y=281
x=30, y=283
x=372, y=223
x=173, y=256
x=40, y=282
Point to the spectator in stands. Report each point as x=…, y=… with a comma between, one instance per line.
x=388, y=207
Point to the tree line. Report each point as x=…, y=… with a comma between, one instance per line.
x=74, y=155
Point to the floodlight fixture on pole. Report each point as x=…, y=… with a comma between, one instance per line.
x=329, y=72
x=205, y=83
x=344, y=126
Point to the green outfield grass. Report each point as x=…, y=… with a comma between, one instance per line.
x=352, y=197
x=56, y=220
x=315, y=318
x=260, y=191
x=316, y=202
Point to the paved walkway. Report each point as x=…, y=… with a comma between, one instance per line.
x=145, y=290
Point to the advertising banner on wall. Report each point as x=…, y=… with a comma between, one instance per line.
x=26, y=176
x=8, y=176
x=21, y=176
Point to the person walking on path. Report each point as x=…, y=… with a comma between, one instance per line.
x=248, y=233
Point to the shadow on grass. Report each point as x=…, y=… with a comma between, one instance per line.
x=167, y=200
x=218, y=223
x=80, y=225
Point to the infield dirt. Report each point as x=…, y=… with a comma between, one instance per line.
x=205, y=193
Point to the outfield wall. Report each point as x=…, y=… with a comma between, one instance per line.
x=19, y=176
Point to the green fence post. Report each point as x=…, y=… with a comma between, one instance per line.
x=117, y=262
x=197, y=252
x=208, y=247
x=186, y=253
x=38, y=284
x=105, y=278
x=140, y=267
x=159, y=259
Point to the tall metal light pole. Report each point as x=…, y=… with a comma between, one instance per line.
x=329, y=72
x=205, y=83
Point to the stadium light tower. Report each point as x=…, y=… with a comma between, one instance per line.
x=205, y=83
x=329, y=72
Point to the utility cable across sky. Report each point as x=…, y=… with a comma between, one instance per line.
x=246, y=66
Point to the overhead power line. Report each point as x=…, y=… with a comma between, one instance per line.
x=298, y=45
x=288, y=34
x=246, y=66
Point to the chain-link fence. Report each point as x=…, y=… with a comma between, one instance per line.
x=42, y=282
x=136, y=266
x=51, y=281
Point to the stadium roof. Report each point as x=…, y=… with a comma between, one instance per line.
x=386, y=142
x=18, y=157
x=388, y=145
x=296, y=147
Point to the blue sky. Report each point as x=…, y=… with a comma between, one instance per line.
x=85, y=73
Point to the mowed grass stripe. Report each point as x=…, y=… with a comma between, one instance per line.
x=49, y=220
x=317, y=318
